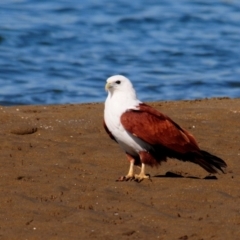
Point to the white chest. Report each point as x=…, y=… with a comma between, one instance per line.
x=127, y=141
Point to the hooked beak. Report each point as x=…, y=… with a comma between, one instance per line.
x=108, y=86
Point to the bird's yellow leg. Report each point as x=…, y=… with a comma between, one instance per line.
x=130, y=172
x=130, y=175
x=139, y=177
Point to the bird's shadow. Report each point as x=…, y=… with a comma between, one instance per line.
x=178, y=175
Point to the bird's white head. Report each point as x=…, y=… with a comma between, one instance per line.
x=120, y=84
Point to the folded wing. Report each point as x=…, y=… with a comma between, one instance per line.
x=156, y=128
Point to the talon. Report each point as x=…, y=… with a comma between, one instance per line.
x=125, y=178
x=121, y=179
x=140, y=177
x=138, y=180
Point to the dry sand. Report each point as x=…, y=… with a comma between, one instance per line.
x=58, y=172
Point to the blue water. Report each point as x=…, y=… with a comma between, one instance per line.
x=54, y=52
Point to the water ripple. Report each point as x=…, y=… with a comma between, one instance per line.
x=54, y=52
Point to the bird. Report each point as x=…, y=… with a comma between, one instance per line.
x=148, y=136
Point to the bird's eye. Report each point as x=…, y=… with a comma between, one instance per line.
x=118, y=82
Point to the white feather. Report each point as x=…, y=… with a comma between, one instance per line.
x=121, y=97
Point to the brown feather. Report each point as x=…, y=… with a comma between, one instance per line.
x=167, y=138
x=158, y=129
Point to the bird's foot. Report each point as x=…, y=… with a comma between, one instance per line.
x=125, y=178
x=136, y=177
x=141, y=176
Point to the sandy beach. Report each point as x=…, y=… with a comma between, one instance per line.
x=58, y=172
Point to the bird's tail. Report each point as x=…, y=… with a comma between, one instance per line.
x=210, y=162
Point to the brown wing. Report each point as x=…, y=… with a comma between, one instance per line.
x=108, y=132
x=158, y=129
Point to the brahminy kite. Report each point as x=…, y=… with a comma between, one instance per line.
x=146, y=135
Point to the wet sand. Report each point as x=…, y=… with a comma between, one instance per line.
x=58, y=172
